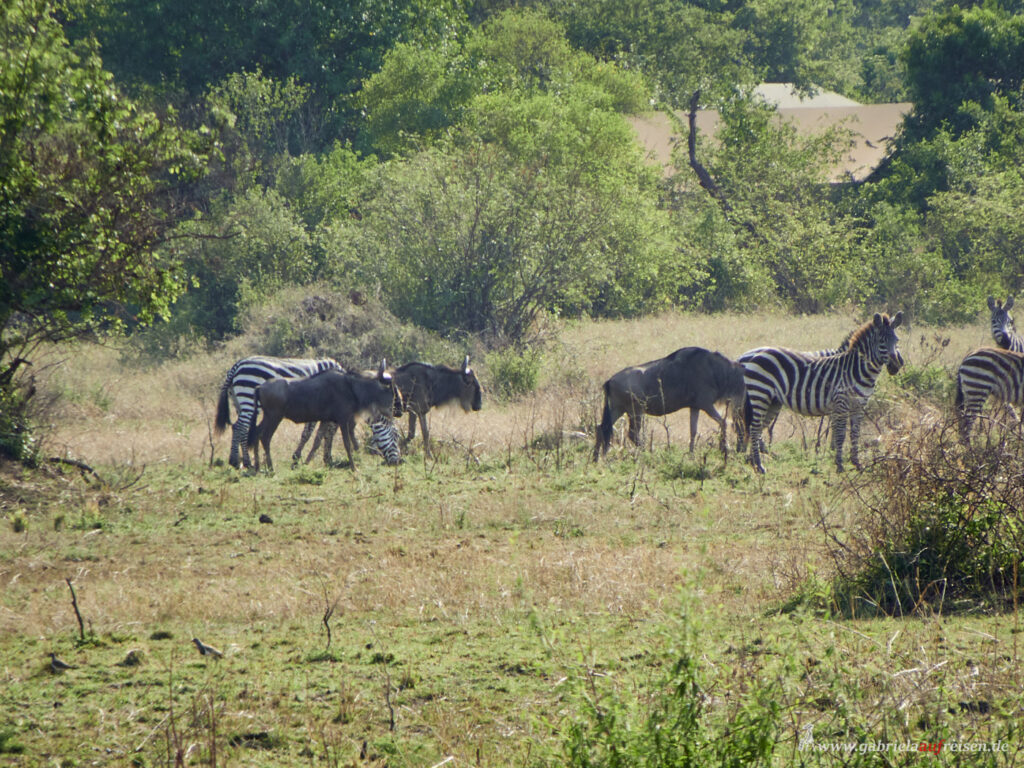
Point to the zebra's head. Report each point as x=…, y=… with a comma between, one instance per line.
x=1002, y=321
x=877, y=341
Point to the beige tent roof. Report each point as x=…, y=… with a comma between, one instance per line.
x=873, y=125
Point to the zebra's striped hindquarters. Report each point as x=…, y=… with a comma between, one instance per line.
x=987, y=372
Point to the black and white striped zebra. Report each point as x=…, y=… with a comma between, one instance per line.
x=987, y=372
x=893, y=366
x=1002, y=325
x=240, y=386
x=837, y=385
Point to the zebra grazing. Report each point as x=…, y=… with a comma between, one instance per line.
x=838, y=385
x=240, y=386
x=987, y=372
x=1002, y=325
x=384, y=440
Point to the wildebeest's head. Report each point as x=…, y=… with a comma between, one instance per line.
x=470, y=393
x=387, y=380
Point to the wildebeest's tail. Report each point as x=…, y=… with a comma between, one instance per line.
x=253, y=430
x=604, y=429
x=223, y=417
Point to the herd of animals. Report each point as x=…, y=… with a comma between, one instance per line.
x=831, y=382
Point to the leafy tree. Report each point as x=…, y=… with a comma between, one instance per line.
x=180, y=48
x=89, y=186
x=771, y=181
x=419, y=92
x=540, y=205
x=959, y=55
x=258, y=245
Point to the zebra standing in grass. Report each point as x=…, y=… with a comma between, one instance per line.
x=240, y=386
x=838, y=385
x=987, y=372
x=1002, y=325
x=893, y=366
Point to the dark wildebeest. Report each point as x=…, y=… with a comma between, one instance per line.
x=425, y=386
x=328, y=396
x=691, y=377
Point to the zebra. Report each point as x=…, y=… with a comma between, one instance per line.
x=838, y=385
x=893, y=366
x=240, y=386
x=1002, y=325
x=987, y=372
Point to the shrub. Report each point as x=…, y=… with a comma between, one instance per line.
x=350, y=326
x=514, y=371
x=942, y=525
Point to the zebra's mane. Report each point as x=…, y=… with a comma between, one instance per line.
x=860, y=335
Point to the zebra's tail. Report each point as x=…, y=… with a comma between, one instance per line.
x=223, y=414
x=959, y=400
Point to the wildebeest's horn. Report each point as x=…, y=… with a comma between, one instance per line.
x=465, y=365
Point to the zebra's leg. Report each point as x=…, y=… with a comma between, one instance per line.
x=855, y=419
x=323, y=434
x=756, y=425
x=839, y=418
x=307, y=430
x=770, y=416
x=247, y=416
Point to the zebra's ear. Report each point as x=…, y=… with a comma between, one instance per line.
x=992, y=303
x=878, y=320
x=1008, y=304
x=896, y=319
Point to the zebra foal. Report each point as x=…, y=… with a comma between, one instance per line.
x=837, y=385
x=240, y=385
x=987, y=372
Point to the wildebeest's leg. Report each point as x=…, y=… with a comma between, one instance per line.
x=347, y=437
x=719, y=419
x=267, y=431
x=636, y=425
x=426, y=435
x=412, y=427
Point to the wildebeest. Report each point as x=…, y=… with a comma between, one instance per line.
x=328, y=396
x=425, y=386
x=691, y=377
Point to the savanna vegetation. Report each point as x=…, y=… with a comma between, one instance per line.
x=183, y=184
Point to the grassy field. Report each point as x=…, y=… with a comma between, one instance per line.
x=479, y=604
